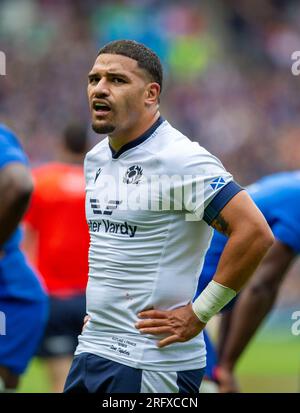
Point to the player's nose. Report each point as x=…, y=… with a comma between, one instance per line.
x=102, y=88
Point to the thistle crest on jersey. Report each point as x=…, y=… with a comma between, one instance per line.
x=133, y=175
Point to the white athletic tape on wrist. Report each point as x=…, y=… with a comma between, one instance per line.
x=212, y=299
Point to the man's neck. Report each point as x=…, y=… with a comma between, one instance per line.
x=116, y=142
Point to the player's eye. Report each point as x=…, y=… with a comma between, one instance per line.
x=93, y=80
x=118, y=80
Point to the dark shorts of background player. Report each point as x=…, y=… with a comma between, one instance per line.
x=25, y=323
x=64, y=326
x=93, y=374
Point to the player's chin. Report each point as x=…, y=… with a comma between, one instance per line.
x=101, y=126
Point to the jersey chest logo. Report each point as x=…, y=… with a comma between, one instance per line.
x=133, y=175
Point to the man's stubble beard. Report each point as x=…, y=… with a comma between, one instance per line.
x=104, y=129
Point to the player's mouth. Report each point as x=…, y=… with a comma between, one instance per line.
x=101, y=108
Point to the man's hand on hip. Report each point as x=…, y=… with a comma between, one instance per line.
x=179, y=325
x=86, y=319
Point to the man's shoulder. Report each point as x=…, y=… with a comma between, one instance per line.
x=100, y=148
x=8, y=138
x=10, y=148
x=280, y=184
x=172, y=143
x=177, y=151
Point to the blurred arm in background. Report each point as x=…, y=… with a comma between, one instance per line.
x=15, y=188
x=257, y=299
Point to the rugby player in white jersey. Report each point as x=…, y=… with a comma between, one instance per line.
x=146, y=251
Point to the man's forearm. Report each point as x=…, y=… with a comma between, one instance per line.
x=15, y=189
x=11, y=213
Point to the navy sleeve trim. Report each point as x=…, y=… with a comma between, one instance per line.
x=220, y=200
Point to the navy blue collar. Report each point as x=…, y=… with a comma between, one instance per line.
x=137, y=141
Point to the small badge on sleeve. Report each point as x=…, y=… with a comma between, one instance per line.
x=217, y=183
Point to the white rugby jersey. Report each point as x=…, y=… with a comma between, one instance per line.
x=146, y=208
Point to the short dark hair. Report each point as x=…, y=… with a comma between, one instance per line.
x=75, y=138
x=145, y=57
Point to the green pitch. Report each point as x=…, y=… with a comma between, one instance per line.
x=271, y=364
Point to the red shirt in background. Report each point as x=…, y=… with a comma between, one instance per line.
x=57, y=214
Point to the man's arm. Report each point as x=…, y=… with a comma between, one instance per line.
x=15, y=188
x=249, y=239
x=253, y=305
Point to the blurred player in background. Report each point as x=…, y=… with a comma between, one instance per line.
x=278, y=197
x=57, y=241
x=23, y=303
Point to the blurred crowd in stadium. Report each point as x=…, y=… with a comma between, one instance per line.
x=228, y=63
x=228, y=70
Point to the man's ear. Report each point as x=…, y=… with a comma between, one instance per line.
x=152, y=93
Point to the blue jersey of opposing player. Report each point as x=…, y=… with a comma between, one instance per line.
x=278, y=198
x=22, y=299
x=13, y=283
